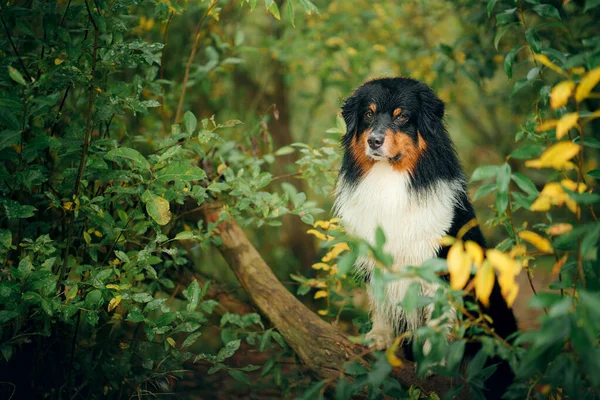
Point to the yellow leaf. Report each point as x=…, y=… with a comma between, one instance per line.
x=475, y=251
x=569, y=184
x=556, y=157
x=322, y=312
x=541, y=243
x=379, y=48
x=113, y=303
x=123, y=345
x=335, y=251
x=171, y=341
x=447, y=240
x=559, y=229
x=98, y=233
x=544, y=60
x=484, y=283
x=586, y=85
x=390, y=354
x=565, y=124
x=541, y=204
x=58, y=61
x=459, y=266
x=221, y=168
x=321, y=265
x=559, y=96
x=547, y=125
x=319, y=235
x=518, y=250
x=502, y=261
x=511, y=296
x=321, y=224
x=558, y=265
x=320, y=294
x=68, y=205
x=113, y=286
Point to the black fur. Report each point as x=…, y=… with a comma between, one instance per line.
x=438, y=162
x=425, y=112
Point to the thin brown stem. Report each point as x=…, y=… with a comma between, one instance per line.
x=12, y=44
x=190, y=60
x=162, y=76
x=86, y=141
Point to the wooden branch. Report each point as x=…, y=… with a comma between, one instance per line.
x=320, y=346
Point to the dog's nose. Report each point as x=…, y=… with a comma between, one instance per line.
x=375, y=142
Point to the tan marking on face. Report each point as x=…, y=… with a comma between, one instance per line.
x=373, y=107
x=358, y=147
x=401, y=143
x=396, y=112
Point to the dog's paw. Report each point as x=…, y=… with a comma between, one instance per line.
x=379, y=339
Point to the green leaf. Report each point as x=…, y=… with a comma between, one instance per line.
x=193, y=295
x=546, y=10
x=8, y=118
x=290, y=11
x=14, y=210
x=190, y=122
x=503, y=178
x=272, y=8
x=309, y=7
x=285, y=149
x=533, y=39
x=485, y=190
x=589, y=4
x=229, y=350
x=501, y=202
x=501, y=33
x=527, y=151
x=239, y=376
x=9, y=137
x=590, y=239
x=484, y=172
x=5, y=238
x=127, y=154
x=525, y=184
x=490, y=7
x=180, y=171
x=157, y=208
x=594, y=174
x=184, y=235
x=190, y=340
x=509, y=60
x=16, y=76
x=588, y=142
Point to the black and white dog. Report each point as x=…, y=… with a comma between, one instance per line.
x=400, y=171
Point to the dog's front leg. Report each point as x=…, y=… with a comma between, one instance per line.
x=381, y=335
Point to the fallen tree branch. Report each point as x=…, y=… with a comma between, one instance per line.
x=320, y=346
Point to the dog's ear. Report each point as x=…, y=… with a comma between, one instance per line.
x=431, y=112
x=350, y=115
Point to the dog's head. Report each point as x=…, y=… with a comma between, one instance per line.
x=393, y=119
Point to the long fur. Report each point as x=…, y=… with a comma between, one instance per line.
x=414, y=206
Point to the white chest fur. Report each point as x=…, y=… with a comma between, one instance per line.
x=413, y=223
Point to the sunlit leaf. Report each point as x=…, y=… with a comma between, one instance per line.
x=459, y=266
x=565, y=124
x=539, y=242
x=484, y=283
x=391, y=356
x=556, y=157
x=113, y=303
x=559, y=96
x=559, y=229
x=586, y=85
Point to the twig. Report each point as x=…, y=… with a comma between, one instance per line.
x=86, y=142
x=14, y=47
x=162, y=76
x=190, y=60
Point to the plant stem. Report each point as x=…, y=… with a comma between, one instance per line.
x=190, y=60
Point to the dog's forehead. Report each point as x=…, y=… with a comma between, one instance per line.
x=388, y=96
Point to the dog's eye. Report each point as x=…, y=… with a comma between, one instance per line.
x=401, y=118
x=369, y=114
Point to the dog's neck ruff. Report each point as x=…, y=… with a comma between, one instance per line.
x=413, y=220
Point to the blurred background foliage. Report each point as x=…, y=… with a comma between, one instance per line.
x=244, y=98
